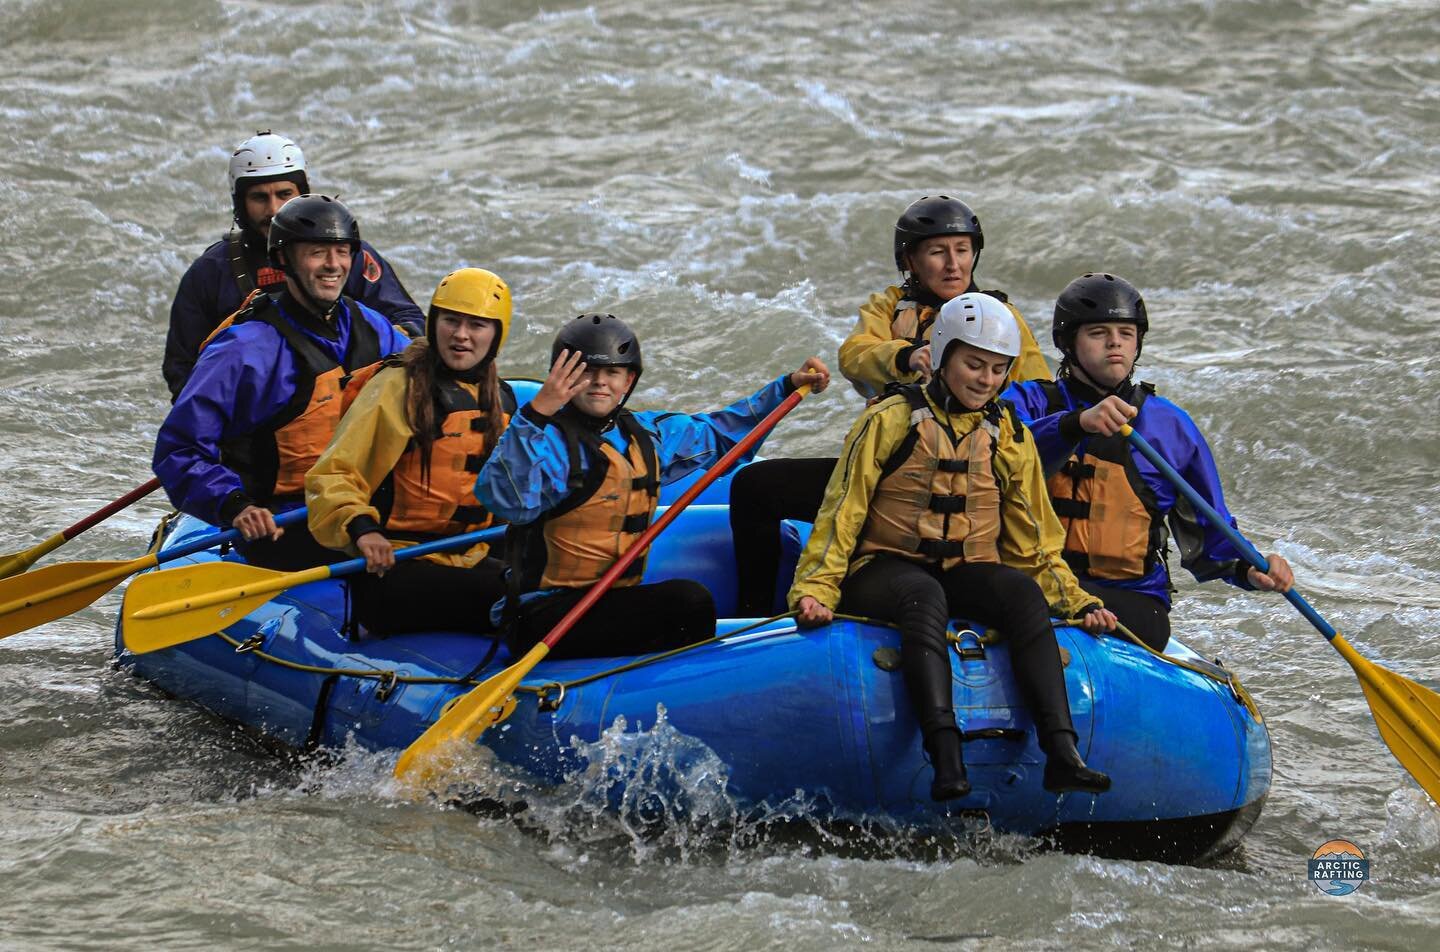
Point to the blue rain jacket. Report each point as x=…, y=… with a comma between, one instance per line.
x=241, y=381
x=1204, y=550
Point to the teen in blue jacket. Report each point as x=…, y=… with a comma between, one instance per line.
x=578, y=476
x=1118, y=511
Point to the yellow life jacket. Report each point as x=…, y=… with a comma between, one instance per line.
x=938, y=499
x=611, y=503
x=1114, y=529
x=272, y=461
x=417, y=503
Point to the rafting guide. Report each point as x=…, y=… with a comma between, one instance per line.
x=266, y=171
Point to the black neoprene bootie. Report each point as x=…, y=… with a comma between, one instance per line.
x=950, y=783
x=1065, y=770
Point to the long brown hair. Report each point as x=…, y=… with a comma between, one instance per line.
x=423, y=368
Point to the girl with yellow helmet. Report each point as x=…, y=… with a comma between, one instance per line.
x=401, y=468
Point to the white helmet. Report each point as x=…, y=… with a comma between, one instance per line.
x=266, y=155
x=978, y=320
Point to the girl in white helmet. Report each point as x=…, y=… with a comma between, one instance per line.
x=938, y=509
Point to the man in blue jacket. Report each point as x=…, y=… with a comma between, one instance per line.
x=268, y=391
x=578, y=477
x=266, y=171
x=1118, y=511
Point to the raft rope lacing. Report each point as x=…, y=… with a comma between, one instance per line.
x=1215, y=671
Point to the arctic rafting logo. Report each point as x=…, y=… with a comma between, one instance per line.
x=1339, y=867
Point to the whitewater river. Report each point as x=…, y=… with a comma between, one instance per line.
x=726, y=176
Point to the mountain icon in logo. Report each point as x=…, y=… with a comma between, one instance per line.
x=1338, y=868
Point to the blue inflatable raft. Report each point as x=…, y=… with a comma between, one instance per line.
x=822, y=712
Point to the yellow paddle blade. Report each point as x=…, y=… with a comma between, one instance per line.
x=20, y=561
x=465, y=720
x=178, y=605
x=1407, y=714
x=55, y=591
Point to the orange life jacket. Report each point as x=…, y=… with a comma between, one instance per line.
x=272, y=461
x=938, y=499
x=612, y=501
x=1113, y=525
x=418, y=505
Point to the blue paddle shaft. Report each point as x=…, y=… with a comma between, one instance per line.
x=1252, y=555
x=220, y=538
x=352, y=566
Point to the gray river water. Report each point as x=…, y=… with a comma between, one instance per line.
x=726, y=176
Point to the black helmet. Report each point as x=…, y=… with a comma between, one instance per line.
x=311, y=218
x=1097, y=298
x=931, y=216
x=603, y=339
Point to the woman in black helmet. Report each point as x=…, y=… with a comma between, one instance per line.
x=937, y=246
x=578, y=475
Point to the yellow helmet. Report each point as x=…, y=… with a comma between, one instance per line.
x=478, y=293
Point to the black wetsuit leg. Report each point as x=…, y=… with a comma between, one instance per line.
x=1011, y=602
x=420, y=595
x=1143, y=614
x=763, y=494
x=910, y=595
x=625, y=621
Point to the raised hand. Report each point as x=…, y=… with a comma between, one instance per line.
x=567, y=378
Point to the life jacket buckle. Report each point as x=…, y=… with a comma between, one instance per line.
x=547, y=702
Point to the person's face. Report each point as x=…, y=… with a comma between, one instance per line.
x=943, y=264
x=320, y=268
x=263, y=201
x=974, y=376
x=605, y=387
x=463, y=341
x=1106, y=352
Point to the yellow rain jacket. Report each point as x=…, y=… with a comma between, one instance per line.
x=1030, y=534
x=867, y=356
x=368, y=445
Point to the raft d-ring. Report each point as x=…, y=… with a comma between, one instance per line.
x=388, y=682
x=251, y=643
x=967, y=644
x=550, y=704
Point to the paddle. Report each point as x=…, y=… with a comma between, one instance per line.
x=58, y=590
x=169, y=608
x=468, y=717
x=1407, y=714
x=20, y=561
